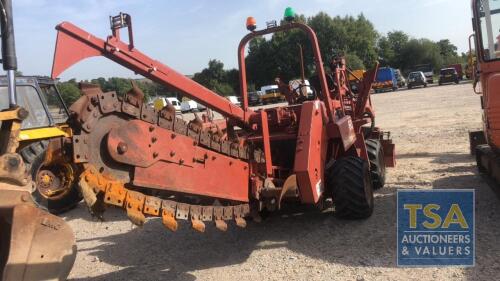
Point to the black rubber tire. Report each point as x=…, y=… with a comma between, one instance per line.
x=33, y=156
x=377, y=163
x=480, y=151
x=351, y=187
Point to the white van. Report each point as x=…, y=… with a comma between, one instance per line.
x=306, y=90
x=234, y=100
x=161, y=102
x=191, y=105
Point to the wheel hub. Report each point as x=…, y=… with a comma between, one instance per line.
x=53, y=181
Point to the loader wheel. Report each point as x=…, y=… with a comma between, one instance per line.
x=56, y=188
x=377, y=163
x=351, y=188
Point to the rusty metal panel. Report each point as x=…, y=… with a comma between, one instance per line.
x=166, y=118
x=180, y=126
x=235, y=149
x=202, y=179
x=266, y=142
x=131, y=109
x=205, y=137
x=226, y=147
x=215, y=144
x=389, y=152
x=152, y=206
x=345, y=130
x=182, y=211
x=108, y=102
x=115, y=194
x=310, y=153
x=158, y=163
x=149, y=114
x=80, y=149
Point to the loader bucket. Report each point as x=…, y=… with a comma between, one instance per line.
x=34, y=245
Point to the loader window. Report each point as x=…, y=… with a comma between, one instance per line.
x=28, y=98
x=489, y=22
x=54, y=104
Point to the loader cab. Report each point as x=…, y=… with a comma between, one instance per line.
x=47, y=112
x=486, y=24
x=40, y=97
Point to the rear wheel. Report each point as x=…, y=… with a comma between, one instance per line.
x=377, y=163
x=351, y=188
x=56, y=188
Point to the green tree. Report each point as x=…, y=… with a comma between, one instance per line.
x=421, y=51
x=391, y=48
x=448, y=52
x=69, y=91
x=354, y=62
x=215, y=78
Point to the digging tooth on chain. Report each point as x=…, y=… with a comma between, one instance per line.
x=218, y=218
x=135, y=204
x=138, y=205
x=152, y=206
x=238, y=216
x=182, y=211
x=196, y=223
x=168, y=214
x=115, y=194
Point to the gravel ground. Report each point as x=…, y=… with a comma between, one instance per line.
x=429, y=127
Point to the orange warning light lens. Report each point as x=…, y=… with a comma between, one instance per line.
x=251, y=23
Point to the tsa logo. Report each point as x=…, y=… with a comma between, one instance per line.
x=435, y=227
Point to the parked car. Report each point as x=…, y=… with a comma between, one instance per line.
x=427, y=69
x=386, y=80
x=416, y=78
x=459, y=69
x=448, y=75
x=234, y=100
x=254, y=98
x=161, y=102
x=400, y=78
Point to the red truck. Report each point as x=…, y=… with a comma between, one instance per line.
x=458, y=67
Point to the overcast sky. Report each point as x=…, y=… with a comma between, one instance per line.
x=185, y=34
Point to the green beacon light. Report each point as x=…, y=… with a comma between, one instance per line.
x=289, y=14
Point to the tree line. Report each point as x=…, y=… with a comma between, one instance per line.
x=278, y=56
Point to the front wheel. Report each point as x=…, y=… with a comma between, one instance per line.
x=351, y=187
x=56, y=186
x=377, y=164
